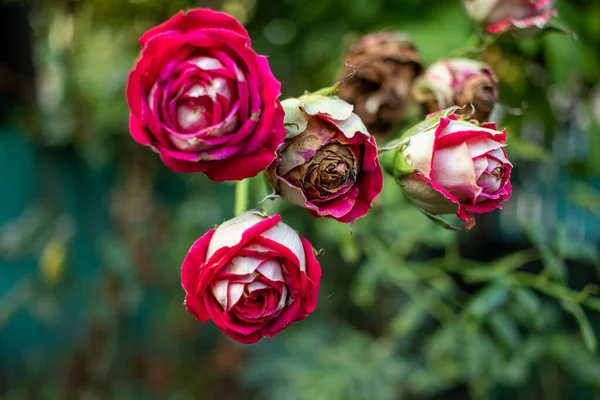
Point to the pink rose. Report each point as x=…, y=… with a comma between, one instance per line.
x=453, y=166
x=328, y=163
x=458, y=82
x=500, y=15
x=252, y=276
x=203, y=99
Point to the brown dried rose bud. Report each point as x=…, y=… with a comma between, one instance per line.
x=458, y=82
x=385, y=65
x=328, y=163
x=331, y=169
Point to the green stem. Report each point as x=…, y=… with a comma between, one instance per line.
x=241, y=196
x=558, y=291
x=332, y=90
x=328, y=91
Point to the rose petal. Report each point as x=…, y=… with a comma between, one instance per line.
x=190, y=269
x=419, y=151
x=234, y=293
x=454, y=171
x=480, y=165
x=419, y=191
x=351, y=126
x=219, y=290
x=288, y=238
x=482, y=145
x=243, y=265
x=370, y=183
x=310, y=282
x=333, y=107
x=284, y=298
x=193, y=19
x=138, y=131
x=232, y=232
x=271, y=270
x=256, y=285
x=295, y=119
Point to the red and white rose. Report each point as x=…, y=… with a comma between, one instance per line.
x=500, y=15
x=252, y=276
x=454, y=166
x=203, y=99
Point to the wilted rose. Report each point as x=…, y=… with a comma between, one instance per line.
x=203, y=99
x=455, y=166
x=384, y=65
x=252, y=276
x=458, y=82
x=328, y=163
x=500, y=15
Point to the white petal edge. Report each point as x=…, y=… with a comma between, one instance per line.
x=229, y=233
x=335, y=107
x=271, y=270
x=219, y=290
x=287, y=237
x=243, y=265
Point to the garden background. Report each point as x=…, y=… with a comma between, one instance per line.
x=93, y=228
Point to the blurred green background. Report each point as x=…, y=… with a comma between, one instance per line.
x=93, y=228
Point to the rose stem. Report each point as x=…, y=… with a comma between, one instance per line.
x=241, y=196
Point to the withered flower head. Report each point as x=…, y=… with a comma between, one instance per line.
x=328, y=163
x=385, y=64
x=458, y=82
x=498, y=16
x=332, y=168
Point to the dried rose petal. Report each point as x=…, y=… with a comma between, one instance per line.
x=458, y=82
x=385, y=64
x=328, y=163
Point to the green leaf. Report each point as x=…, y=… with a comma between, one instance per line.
x=552, y=261
x=439, y=221
x=428, y=123
x=504, y=329
x=577, y=249
x=554, y=26
x=520, y=149
x=408, y=321
x=585, y=196
x=488, y=299
x=394, y=163
x=589, y=337
x=501, y=266
x=527, y=300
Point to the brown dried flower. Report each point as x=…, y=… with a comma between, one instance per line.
x=385, y=64
x=458, y=82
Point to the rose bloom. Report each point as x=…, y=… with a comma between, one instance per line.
x=203, y=99
x=458, y=82
x=500, y=15
x=328, y=163
x=384, y=66
x=252, y=276
x=460, y=168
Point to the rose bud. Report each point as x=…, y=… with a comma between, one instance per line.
x=328, y=163
x=382, y=67
x=252, y=276
x=500, y=15
x=458, y=82
x=203, y=99
x=447, y=165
